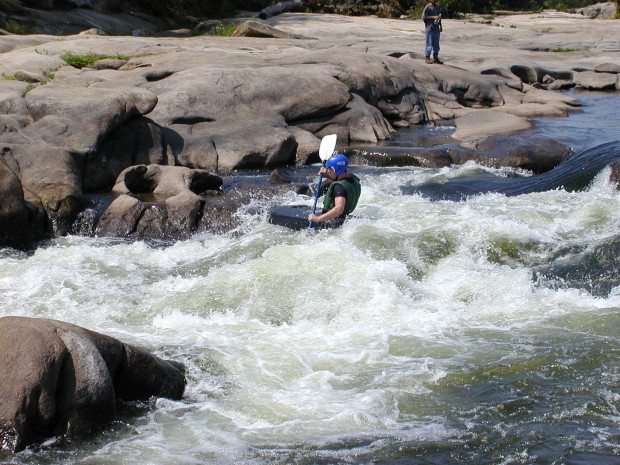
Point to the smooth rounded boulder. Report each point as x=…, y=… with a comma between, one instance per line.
x=59, y=379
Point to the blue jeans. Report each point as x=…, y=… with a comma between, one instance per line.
x=432, y=44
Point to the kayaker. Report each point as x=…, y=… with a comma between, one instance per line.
x=343, y=192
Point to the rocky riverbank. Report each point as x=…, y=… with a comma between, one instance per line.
x=155, y=124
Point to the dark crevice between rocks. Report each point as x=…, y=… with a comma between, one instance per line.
x=157, y=75
x=192, y=120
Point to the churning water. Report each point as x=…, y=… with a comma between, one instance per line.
x=415, y=334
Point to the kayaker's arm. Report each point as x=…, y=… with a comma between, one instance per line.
x=336, y=211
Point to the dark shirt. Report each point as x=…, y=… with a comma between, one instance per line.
x=339, y=191
x=431, y=10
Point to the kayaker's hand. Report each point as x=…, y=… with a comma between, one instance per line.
x=313, y=217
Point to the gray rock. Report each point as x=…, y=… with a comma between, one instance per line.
x=494, y=123
x=61, y=379
x=157, y=202
x=358, y=121
x=256, y=29
x=86, y=114
x=93, y=31
x=596, y=81
x=137, y=141
x=30, y=77
x=534, y=74
x=608, y=68
x=561, y=84
x=532, y=153
x=599, y=10
x=108, y=63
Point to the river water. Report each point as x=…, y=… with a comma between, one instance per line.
x=414, y=334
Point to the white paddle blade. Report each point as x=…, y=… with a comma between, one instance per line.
x=328, y=144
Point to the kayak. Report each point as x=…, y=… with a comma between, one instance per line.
x=296, y=217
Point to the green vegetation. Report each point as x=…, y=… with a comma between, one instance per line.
x=561, y=50
x=10, y=6
x=16, y=28
x=87, y=59
x=50, y=73
x=28, y=89
x=9, y=77
x=221, y=29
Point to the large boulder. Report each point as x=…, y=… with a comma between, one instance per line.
x=61, y=379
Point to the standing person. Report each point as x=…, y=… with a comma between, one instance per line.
x=343, y=192
x=431, y=15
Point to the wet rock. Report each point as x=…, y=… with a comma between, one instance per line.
x=158, y=202
x=614, y=177
x=532, y=153
x=434, y=157
x=595, y=269
x=63, y=380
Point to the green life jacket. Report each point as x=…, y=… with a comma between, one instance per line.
x=353, y=188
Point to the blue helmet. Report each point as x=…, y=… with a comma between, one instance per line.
x=338, y=162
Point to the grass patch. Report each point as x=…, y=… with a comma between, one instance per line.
x=9, y=77
x=14, y=27
x=564, y=50
x=223, y=30
x=50, y=73
x=87, y=59
x=28, y=89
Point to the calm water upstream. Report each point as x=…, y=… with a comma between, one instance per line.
x=414, y=334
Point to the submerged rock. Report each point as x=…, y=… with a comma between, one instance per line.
x=595, y=269
x=59, y=379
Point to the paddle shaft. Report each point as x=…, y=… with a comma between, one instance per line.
x=316, y=197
